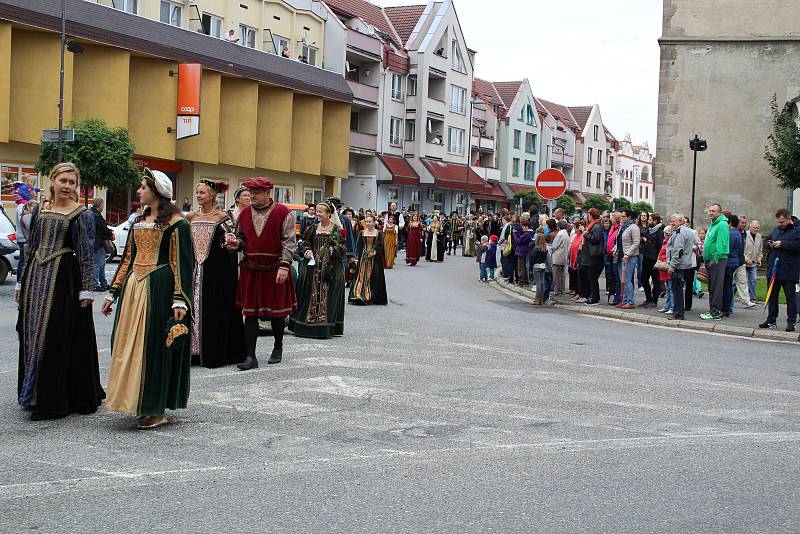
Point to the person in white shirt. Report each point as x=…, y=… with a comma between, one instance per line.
x=231, y=37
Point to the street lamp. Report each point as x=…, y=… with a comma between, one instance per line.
x=75, y=48
x=696, y=145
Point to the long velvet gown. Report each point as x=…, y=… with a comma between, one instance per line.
x=470, y=237
x=58, y=368
x=150, y=357
x=435, y=249
x=390, y=246
x=414, y=243
x=369, y=284
x=217, y=326
x=320, y=287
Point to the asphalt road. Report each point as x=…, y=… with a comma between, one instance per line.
x=452, y=409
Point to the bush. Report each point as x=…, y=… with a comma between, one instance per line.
x=639, y=207
x=566, y=204
x=597, y=202
x=783, y=152
x=621, y=204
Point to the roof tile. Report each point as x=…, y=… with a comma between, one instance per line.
x=404, y=19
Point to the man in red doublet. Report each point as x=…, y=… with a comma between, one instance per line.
x=266, y=236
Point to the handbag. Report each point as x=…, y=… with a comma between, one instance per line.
x=508, y=247
x=110, y=247
x=661, y=265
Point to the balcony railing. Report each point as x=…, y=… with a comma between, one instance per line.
x=434, y=151
x=484, y=143
x=364, y=92
x=363, y=141
x=557, y=160
x=365, y=43
x=487, y=173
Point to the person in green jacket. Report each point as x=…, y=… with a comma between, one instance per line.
x=715, y=254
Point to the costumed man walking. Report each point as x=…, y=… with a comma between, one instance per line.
x=266, y=236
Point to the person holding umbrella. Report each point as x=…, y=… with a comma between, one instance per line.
x=783, y=269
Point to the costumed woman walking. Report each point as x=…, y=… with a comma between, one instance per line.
x=241, y=199
x=150, y=357
x=414, y=241
x=266, y=236
x=390, y=236
x=369, y=285
x=434, y=250
x=470, y=236
x=58, y=369
x=217, y=328
x=320, y=278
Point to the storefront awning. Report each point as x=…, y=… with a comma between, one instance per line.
x=521, y=188
x=578, y=197
x=401, y=170
x=454, y=177
x=492, y=191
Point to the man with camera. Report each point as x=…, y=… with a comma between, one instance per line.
x=784, y=263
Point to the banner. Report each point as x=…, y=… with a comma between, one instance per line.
x=189, y=75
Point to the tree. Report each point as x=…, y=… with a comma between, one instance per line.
x=597, y=202
x=104, y=155
x=529, y=198
x=622, y=203
x=566, y=204
x=783, y=151
x=641, y=206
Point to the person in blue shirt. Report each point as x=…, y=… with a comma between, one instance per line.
x=735, y=258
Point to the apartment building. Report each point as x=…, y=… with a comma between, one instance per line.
x=558, y=140
x=634, y=172
x=261, y=114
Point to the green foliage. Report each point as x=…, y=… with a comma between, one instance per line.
x=622, y=203
x=641, y=206
x=783, y=151
x=566, y=204
x=598, y=202
x=104, y=155
x=529, y=198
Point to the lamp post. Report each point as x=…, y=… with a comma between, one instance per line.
x=696, y=145
x=61, y=83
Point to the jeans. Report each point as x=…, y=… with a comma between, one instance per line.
x=100, y=268
x=538, y=277
x=628, y=271
x=483, y=270
x=679, y=278
x=490, y=270
x=548, y=286
x=618, y=282
x=789, y=290
x=752, y=274
x=638, y=262
x=669, y=303
x=716, y=283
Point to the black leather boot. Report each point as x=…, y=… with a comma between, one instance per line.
x=276, y=356
x=249, y=363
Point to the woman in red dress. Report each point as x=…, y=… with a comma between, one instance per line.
x=414, y=243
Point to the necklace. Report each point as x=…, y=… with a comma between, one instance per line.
x=213, y=209
x=326, y=228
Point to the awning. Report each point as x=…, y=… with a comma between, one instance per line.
x=521, y=188
x=401, y=170
x=454, y=176
x=492, y=191
x=577, y=196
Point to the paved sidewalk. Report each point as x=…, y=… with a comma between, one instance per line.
x=743, y=322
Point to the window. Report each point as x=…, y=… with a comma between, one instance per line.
x=397, y=86
x=517, y=138
x=598, y=180
x=311, y=54
x=171, y=13
x=599, y=157
x=522, y=115
x=530, y=143
x=283, y=194
x=529, y=170
x=411, y=129
x=394, y=132
x=393, y=194
x=640, y=191
x=247, y=36
x=455, y=140
x=589, y=156
x=412, y=86
x=458, y=102
x=588, y=178
x=596, y=132
x=611, y=162
x=212, y=25
x=280, y=43
x=129, y=6
x=312, y=195
x=456, y=61
x=515, y=167
x=530, y=120
x=353, y=121
x=415, y=195
x=646, y=192
x=435, y=196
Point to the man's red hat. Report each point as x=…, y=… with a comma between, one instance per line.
x=259, y=182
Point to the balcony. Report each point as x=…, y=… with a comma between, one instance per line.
x=487, y=173
x=484, y=143
x=438, y=107
x=559, y=160
x=364, y=43
x=363, y=141
x=434, y=151
x=573, y=186
x=366, y=93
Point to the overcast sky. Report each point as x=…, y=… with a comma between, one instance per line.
x=574, y=52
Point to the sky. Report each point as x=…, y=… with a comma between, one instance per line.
x=574, y=52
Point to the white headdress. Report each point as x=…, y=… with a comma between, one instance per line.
x=163, y=183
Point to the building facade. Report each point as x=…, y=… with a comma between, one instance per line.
x=633, y=173
x=718, y=77
x=558, y=140
x=260, y=113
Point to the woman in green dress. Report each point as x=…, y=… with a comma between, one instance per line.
x=150, y=357
x=320, y=279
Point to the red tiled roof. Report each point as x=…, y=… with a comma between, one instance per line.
x=581, y=114
x=560, y=112
x=492, y=191
x=404, y=19
x=507, y=91
x=455, y=176
x=486, y=91
x=370, y=13
x=402, y=172
x=521, y=188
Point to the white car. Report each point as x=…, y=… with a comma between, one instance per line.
x=9, y=251
x=120, y=239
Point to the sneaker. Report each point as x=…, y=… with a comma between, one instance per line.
x=767, y=325
x=750, y=305
x=592, y=303
x=700, y=295
x=662, y=310
x=581, y=301
x=668, y=312
x=708, y=316
x=640, y=289
x=627, y=307
x=790, y=328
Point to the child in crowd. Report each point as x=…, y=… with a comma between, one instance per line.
x=491, y=257
x=539, y=265
x=480, y=257
x=664, y=276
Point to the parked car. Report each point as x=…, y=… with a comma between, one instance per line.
x=120, y=239
x=9, y=251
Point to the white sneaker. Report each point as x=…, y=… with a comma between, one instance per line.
x=640, y=289
x=662, y=310
x=750, y=305
x=668, y=312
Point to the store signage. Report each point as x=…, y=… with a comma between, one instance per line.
x=188, y=111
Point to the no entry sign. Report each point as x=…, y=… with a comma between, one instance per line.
x=551, y=184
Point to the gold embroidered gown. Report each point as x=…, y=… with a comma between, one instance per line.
x=155, y=274
x=369, y=284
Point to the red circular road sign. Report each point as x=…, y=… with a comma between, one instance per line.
x=551, y=184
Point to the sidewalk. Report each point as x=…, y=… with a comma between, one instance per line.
x=743, y=322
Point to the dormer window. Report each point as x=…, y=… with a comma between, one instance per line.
x=457, y=61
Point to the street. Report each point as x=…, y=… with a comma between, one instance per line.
x=453, y=409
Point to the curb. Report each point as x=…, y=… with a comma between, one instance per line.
x=525, y=295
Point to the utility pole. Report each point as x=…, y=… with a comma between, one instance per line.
x=696, y=145
x=61, y=83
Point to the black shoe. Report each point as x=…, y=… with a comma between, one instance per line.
x=276, y=356
x=673, y=318
x=249, y=363
x=644, y=304
x=790, y=328
x=767, y=324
